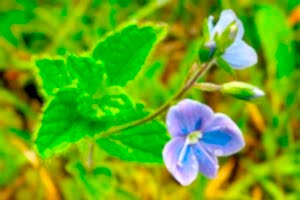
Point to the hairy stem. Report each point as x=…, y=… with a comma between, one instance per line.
x=165, y=106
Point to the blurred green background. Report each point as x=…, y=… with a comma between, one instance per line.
x=267, y=168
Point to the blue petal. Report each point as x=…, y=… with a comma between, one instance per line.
x=222, y=137
x=226, y=18
x=208, y=163
x=184, y=169
x=240, y=55
x=187, y=116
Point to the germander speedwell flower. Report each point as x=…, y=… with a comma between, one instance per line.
x=237, y=53
x=199, y=136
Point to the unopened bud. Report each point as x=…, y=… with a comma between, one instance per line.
x=233, y=31
x=206, y=51
x=227, y=37
x=242, y=90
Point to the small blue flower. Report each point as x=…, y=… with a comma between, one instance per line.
x=239, y=54
x=198, y=136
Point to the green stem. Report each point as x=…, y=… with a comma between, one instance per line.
x=164, y=107
x=208, y=87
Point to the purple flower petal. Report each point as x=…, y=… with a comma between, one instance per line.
x=180, y=161
x=187, y=116
x=240, y=55
x=208, y=163
x=226, y=18
x=221, y=136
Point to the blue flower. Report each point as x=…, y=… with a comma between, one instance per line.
x=239, y=55
x=199, y=136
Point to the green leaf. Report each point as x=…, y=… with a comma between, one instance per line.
x=84, y=72
x=119, y=109
x=124, y=52
x=143, y=143
x=110, y=109
x=73, y=115
x=54, y=75
x=276, y=39
x=62, y=123
x=87, y=72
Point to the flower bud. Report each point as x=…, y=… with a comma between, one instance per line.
x=241, y=90
x=233, y=31
x=226, y=38
x=206, y=51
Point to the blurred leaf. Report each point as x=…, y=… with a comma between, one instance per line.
x=143, y=143
x=7, y=97
x=35, y=42
x=102, y=171
x=93, y=185
x=273, y=189
x=10, y=18
x=124, y=52
x=276, y=39
x=291, y=4
x=122, y=3
x=270, y=143
x=68, y=186
x=28, y=4
x=22, y=134
x=149, y=80
x=10, y=160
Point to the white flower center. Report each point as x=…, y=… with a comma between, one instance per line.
x=193, y=137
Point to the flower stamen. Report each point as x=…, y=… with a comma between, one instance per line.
x=194, y=136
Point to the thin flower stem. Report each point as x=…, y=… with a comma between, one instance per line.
x=208, y=87
x=165, y=106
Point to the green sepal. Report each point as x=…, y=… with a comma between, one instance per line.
x=224, y=65
x=226, y=38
